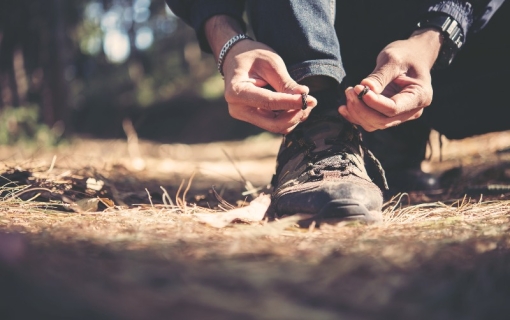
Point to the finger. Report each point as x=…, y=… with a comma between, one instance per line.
x=344, y=113
x=282, y=122
x=422, y=89
x=277, y=76
x=412, y=96
x=352, y=116
x=384, y=123
x=378, y=102
x=407, y=116
x=383, y=74
x=249, y=94
x=358, y=113
x=354, y=119
x=361, y=114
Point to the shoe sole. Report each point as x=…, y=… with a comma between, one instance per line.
x=343, y=210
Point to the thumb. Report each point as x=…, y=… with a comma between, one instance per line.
x=381, y=77
x=278, y=77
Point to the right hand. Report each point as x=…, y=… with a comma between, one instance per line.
x=400, y=86
x=249, y=67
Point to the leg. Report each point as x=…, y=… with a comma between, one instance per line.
x=303, y=34
x=469, y=96
x=401, y=148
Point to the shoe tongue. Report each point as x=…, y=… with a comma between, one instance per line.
x=325, y=122
x=322, y=129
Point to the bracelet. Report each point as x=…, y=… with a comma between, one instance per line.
x=226, y=48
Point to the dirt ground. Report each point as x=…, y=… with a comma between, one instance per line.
x=110, y=230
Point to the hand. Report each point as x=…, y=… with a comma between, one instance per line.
x=400, y=86
x=249, y=67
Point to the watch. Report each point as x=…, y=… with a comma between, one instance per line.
x=453, y=37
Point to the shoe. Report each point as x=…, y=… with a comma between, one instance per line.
x=320, y=171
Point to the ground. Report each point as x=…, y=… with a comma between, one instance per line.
x=111, y=230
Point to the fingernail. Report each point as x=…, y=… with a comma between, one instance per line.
x=311, y=101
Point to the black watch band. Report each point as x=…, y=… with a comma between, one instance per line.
x=453, y=37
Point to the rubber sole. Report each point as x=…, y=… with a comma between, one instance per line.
x=343, y=210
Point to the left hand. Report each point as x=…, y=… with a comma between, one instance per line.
x=400, y=86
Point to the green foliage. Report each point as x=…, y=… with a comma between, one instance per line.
x=88, y=35
x=59, y=56
x=22, y=125
x=213, y=87
x=173, y=64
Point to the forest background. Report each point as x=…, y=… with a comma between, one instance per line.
x=80, y=67
x=96, y=223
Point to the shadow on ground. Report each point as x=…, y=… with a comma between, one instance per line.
x=80, y=280
x=158, y=262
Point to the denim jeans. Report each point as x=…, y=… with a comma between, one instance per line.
x=302, y=33
x=341, y=41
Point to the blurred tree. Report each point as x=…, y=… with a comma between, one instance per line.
x=87, y=64
x=136, y=54
x=35, y=54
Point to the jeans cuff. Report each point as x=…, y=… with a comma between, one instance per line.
x=330, y=68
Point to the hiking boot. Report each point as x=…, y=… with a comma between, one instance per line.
x=321, y=171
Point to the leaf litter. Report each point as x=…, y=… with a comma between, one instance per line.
x=179, y=248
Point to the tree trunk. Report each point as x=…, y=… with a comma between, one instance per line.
x=55, y=104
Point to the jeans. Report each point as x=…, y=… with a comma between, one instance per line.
x=340, y=41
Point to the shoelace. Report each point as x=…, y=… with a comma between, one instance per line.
x=379, y=167
x=336, y=157
x=337, y=162
x=341, y=160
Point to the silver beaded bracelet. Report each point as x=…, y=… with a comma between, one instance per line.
x=226, y=48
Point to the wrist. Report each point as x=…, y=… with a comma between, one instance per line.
x=430, y=41
x=432, y=36
x=219, y=30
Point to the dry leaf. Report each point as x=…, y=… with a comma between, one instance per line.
x=85, y=205
x=107, y=202
x=255, y=211
x=94, y=184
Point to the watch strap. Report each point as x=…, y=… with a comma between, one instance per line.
x=453, y=37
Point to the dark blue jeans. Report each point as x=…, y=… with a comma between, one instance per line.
x=339, y=41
